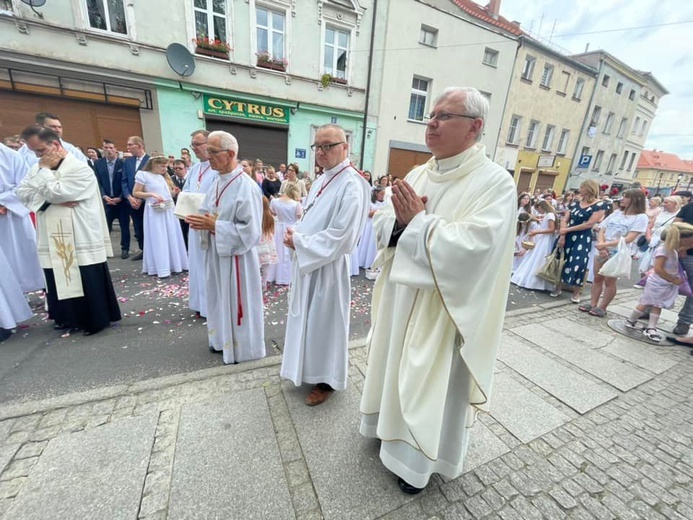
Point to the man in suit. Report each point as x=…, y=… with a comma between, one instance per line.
x=93, y=155
x=109, y=173
x=180, y=174
x=131, y=166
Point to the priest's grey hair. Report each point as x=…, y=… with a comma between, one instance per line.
x=228, y=142
x=475, y=104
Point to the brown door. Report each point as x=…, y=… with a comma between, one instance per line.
x=524, y=182
x=84, y=123
x=545, y=181
x=268, y=143
x=402, y=162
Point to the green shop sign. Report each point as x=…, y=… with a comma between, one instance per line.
x=267, y=113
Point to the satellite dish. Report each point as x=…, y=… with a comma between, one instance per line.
x=180, y=59
x=35, y=3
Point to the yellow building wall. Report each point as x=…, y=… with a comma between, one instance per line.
x=528, y=160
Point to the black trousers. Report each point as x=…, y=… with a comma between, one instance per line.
x=121, y=211
x=138, y=223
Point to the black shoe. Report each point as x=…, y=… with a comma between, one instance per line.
x=681, y=329
x=5, y=334
x=138, y=256
x=214, y=351
x=408, y=488
x=124, y=255
x=60, y=326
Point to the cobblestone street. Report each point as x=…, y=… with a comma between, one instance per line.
x=596, y=426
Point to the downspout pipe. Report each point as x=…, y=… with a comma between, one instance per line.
x=368, y=85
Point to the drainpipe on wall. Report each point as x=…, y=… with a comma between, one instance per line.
x=368, y=86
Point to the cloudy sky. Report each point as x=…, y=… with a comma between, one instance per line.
x=658, y=40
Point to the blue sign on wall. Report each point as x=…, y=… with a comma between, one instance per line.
x=584, y=161
x=300, y=153
x=334, y=120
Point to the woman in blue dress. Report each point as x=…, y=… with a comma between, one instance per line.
x=575, y=235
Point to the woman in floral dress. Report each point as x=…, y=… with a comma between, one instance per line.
x=576, y=237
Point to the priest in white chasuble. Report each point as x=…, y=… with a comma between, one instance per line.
x=73, y=238
x=17, y=233
x=230, y=225
x=445, y=245
x=317, y=327
x=200, y=178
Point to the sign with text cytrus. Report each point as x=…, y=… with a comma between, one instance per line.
x=219, y=106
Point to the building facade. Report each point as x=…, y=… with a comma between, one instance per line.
x=663, y=173
x=102, y=66
x=429, y=46
x=607, y=150
x=544, y=112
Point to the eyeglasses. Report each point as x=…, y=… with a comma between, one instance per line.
x=325, y=147
x=195, y=145
x=215, y=152
x=446, y=116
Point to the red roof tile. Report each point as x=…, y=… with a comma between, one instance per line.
x=479, y=12
x=663, y=161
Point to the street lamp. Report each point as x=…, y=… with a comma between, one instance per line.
x=678, y=180
x=659, y=182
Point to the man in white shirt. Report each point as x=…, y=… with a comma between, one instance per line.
x=51, y=121
x=317, y=328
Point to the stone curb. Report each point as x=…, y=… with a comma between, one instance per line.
x=13, y=410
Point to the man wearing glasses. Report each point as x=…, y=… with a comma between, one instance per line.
x=317, y=328
x=230, y=223
x=200, y=178
x=445, y=250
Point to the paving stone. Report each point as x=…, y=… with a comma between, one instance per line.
x=31, y=449
x=525, y=509
x=6, y=454
x=484, y=446
x=227, y=458
x=576, y=331
x=565, y=500
x=566, y=385
x=596, y=508
x=94, y=474
x=525, y=414
x=19, y=468
x=619, y=374
x=649, y=357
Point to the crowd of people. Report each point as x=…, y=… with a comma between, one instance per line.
x=438, y=243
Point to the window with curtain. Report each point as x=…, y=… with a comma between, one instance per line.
x=270, y=33
x=210, y=19
x=107, y=15
x=336, y=51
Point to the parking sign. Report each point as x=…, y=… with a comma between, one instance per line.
x=584, y=161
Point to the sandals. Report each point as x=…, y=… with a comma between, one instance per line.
x=554, y=294
x=585, y=307
x=652, y=334
x=575, y=300
x=596, y=311
x=631, y=324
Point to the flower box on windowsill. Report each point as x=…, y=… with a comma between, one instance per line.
x=339, y=81
x=272, y=65
x=214, y=54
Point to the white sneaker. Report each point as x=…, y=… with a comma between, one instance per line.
x=652, y=334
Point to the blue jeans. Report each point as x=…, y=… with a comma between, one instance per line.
x=686, y=313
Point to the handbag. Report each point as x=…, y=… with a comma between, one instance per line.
x=642, y=243
x=553, y=267
x=684, y=288
x=528, y=244
x=619, y=265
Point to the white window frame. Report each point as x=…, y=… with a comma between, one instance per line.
x=609, y=123
x=337, y=29
x=605, y=80
x=209, y=11
x=632, y=160
x=631, y=94
x=596, y=115
x=532, y=133
x=579, y=88
x=528, y=68
x=129, y=22
x=636, y=124
x=622, y=127
x=619, y=87
x=565, y=74
x=271, y=9
x=514, y=130
x=611, y=163
x=428, y=30
x=644, y=126
x=623, y=161
x=549, y=134
x=598, y=159
x=563, y=141
x=421, y=93
x=493, y=54
x=546, y=76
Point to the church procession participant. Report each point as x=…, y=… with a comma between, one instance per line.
x=317, y=327
x=52, y=122
x=13, y=306
x=131, y=165
x=109, y=174
x=73, y=236
x=17, y=233
x=445, y=249
x=288, y=210
x=200, y=178
x=231, y=227
x=164, y=249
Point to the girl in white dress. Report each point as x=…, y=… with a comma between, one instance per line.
x=164, y=248
x=367, y=245
x=543, y=237
x=266, y=249
x=662, y=286
x=288, y=210
x=525, y=223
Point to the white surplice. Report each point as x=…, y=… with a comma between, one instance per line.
x=437, y=315
x=13, y=306
x=235, y=326
x=317, y=327
x=200, y=178
x=17, y=233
